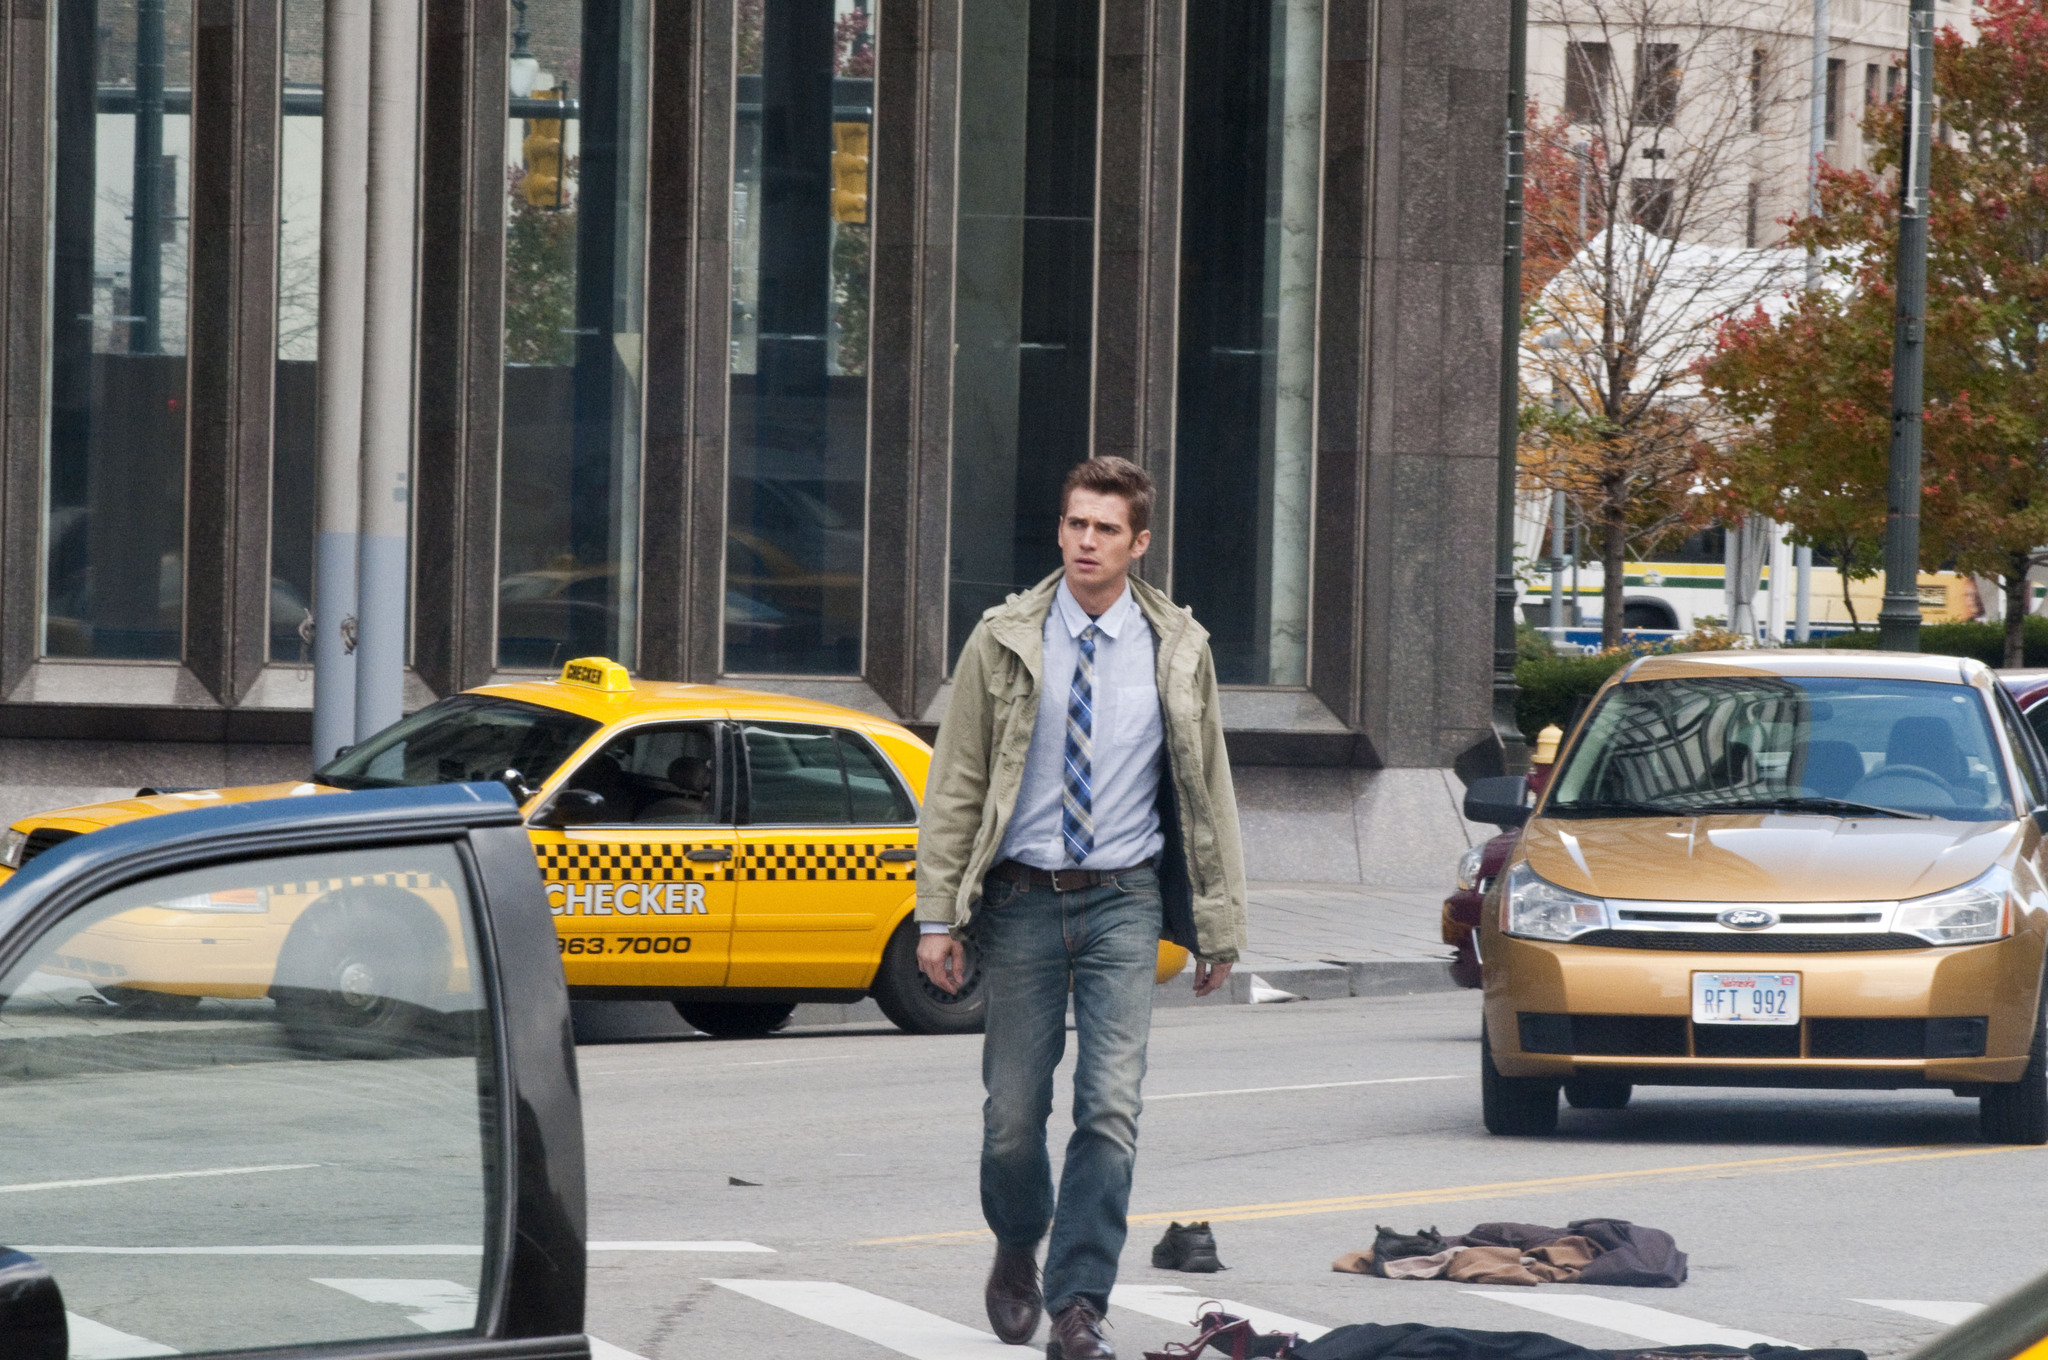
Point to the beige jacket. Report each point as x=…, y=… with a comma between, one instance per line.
x=978, y=765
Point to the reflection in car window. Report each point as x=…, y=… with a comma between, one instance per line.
x=1763, y=743
x=815, y=776
x=663, y=776
x=462, y=738
x=287, y=1059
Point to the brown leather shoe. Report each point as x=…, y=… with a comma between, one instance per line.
x=1077, y=1335
x=1014, y=1303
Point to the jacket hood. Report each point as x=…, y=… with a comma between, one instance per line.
x=1762, y=857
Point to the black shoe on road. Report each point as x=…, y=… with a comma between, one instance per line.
x=1191, y=1248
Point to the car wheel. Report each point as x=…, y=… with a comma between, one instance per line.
x=2017, y=1112
x=916, y=1006
x=1594, y=1093
x=735, y=1019
x=1514, y=1106
x=141, y=1003
x=353, y=972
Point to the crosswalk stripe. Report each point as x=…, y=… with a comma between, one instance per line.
x=1944, y=1311
x=903, y=1329
x=679, y=1246
x=432, y=1305
x=1173, y=1303
x=96, y=1341
x=1630, y=1319
x=605, y=1350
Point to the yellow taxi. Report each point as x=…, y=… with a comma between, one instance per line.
x=730, y=851
x=1792, y=869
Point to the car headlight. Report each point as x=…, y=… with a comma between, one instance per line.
x=1538, y=910
x=11, y=846
x=1468, y=868
x=1979, y=910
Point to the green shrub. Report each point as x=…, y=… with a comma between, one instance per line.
x=1984, y=641
x=1550, y=686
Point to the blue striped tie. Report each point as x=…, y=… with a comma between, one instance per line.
x=1077, y=806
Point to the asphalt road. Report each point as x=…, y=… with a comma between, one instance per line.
x=1795, y=1207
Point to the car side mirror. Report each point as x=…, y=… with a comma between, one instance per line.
x=573, y=807
x=515, y=784
x=1503, y=801
x=32, y=1321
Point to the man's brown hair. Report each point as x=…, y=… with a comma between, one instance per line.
x=1113, y=476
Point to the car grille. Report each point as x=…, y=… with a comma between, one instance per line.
x=44, y=838
x=1688, y=941
x=1664, y=1036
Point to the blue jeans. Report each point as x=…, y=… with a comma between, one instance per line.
x=1034, y=943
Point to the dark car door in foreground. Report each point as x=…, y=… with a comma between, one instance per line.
x=367, y=1130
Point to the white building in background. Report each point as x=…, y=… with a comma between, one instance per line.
x=1764, y=50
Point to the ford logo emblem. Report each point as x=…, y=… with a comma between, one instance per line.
x=1747, y=918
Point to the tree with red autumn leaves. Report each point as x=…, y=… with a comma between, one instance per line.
x=1810, y=388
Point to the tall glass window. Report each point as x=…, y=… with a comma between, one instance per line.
x=575, y=254
x=1024, y=286
x=298, y=335
x=115, y=526
x=797, y=485
x=1246, y=431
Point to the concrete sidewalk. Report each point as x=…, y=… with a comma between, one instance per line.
x=1308, y=941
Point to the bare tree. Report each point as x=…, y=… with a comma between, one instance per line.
x=1667, y=121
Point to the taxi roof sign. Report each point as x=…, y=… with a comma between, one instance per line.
x=597, y=672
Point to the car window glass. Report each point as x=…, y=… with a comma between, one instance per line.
x=462, y=738
x=2025, y=753
x=248, y=1105
x=665, y=775
x=876, y=795
x=1746, y=741
x=794, y=776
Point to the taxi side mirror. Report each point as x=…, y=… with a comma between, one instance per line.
x=1502, y=801
x=32, y=1319
x=573, y=807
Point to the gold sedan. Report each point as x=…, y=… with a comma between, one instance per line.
x=1791, y=869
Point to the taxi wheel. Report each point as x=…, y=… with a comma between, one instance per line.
x=1592, y=1093
x=735, y=1019
x=2018, y=1113
x=913, y=1004
x=1514, y=1106
x=347, y=965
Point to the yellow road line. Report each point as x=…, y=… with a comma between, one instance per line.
x=1547, y=1185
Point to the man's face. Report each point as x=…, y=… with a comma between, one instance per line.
x=1096, y=541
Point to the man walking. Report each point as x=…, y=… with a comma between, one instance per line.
x=1079, y=808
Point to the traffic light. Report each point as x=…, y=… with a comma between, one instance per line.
x=849, y=172
x=542, y=183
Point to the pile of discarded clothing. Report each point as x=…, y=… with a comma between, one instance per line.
x=1235, y=1337
x=1587, y=1251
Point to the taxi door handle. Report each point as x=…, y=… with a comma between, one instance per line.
x=712, y=853
x=896, y=856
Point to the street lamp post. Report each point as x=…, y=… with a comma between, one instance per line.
x=1514, y=751
x=1899, y=620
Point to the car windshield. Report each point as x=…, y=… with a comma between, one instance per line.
x=1758, y=743
x=462, y=738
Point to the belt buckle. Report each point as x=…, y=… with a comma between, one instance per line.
x=1060, y=877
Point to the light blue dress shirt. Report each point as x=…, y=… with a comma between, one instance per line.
x=1126, y=738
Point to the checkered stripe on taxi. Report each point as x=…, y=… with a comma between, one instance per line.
x=604, y=862
x=326, y=885
x=825, y=862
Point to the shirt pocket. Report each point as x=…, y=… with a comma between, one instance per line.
x=1137, y=715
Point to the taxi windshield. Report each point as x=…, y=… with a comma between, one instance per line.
x=1756, y=743
x=462, y=738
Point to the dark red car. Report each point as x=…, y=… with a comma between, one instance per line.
x=2029, y=689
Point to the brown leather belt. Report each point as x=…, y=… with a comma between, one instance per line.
x=1059, y=880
